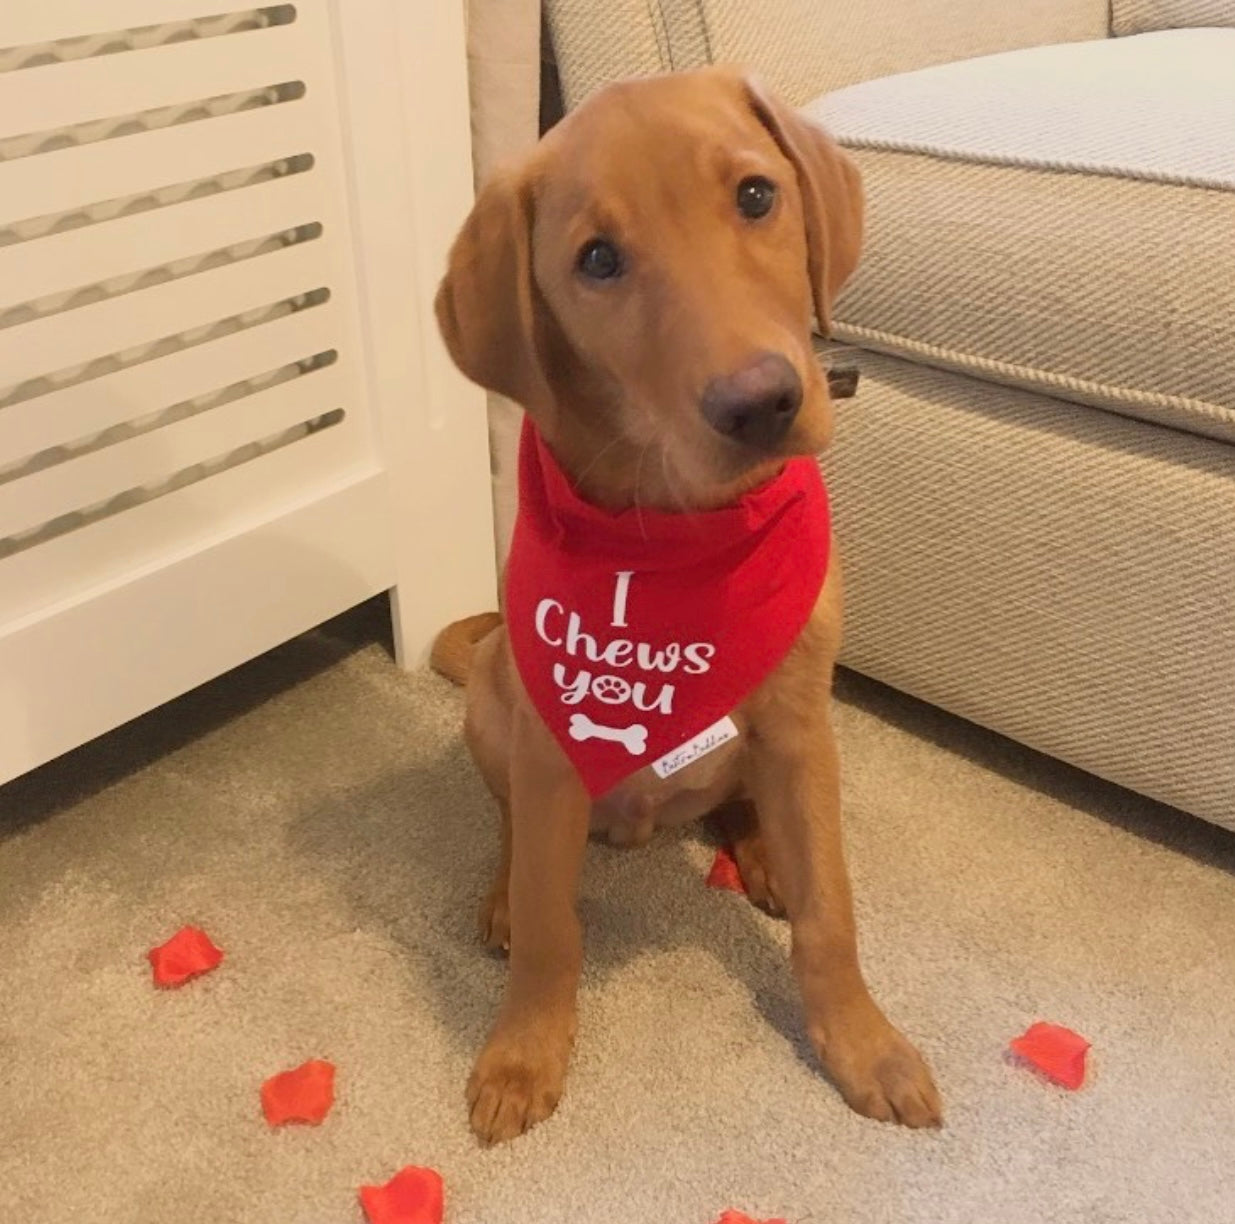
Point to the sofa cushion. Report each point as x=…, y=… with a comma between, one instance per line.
x=1140, y=16
x=1060, y=218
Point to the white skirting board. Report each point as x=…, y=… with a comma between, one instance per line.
x=225, y=413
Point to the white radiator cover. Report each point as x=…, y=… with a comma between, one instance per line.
x=225, y=414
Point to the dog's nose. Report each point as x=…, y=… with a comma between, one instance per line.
x=756, y=405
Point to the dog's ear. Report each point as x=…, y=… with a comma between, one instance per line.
x=832, y=200
x=487, y=305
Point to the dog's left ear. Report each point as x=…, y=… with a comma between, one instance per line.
x=832, y=199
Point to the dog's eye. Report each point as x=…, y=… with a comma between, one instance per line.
x=756, y=195
x=599, y=259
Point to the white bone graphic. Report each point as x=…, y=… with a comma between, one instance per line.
x=635, y=738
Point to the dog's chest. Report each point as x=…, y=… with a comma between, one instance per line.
x=630, y=813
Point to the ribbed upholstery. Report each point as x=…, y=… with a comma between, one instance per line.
x=1138, y=16
x=1058, y=219
x=1060, y=576
x=799, y=47
x=598, y=43
x=802, y=47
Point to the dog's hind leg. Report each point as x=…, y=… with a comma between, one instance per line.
x=739, y=824
x=495, y=908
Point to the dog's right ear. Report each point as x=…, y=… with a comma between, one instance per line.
x=487, y=304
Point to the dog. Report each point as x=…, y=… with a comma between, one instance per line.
x=643, y=284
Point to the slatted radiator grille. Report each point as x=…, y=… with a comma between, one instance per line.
x=88, y=46
x=178, y=329
x=129, y=205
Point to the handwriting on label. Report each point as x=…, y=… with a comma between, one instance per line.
x=698, y=746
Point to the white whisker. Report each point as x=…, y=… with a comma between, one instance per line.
x=596, y=458
x=643, y=454
x=669, y=486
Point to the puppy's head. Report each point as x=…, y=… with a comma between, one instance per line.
x=644, y=286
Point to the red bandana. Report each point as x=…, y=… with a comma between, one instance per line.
x=635, y=632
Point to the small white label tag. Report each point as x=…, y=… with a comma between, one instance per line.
x=699, y=746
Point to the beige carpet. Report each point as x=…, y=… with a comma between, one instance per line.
x=315, y=812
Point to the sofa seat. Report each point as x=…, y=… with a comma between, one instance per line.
x=1060, y=219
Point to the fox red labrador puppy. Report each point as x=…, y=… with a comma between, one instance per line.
x=644, y=285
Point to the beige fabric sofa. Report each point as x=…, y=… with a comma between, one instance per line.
x=1035, y=486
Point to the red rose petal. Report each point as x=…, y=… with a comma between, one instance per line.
x=725, y=873
x=411, y=1196
x=1057, y=1052
x=304, y=1094
x=188, y=953
x=737, y=1217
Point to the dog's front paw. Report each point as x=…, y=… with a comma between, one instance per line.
x=881, y=1075
x=513, y=1086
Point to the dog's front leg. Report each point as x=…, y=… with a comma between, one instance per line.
x=796, y=786
x=519, y=1075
